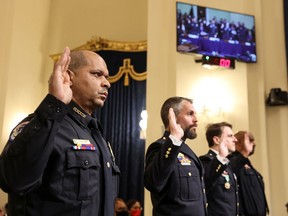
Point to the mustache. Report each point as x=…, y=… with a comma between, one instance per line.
x=193, y=125
x=105, y=92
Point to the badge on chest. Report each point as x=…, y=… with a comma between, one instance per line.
x=81, y=144
x=183, y=159
x=227, y=179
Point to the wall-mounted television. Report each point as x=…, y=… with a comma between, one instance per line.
x=215, y=32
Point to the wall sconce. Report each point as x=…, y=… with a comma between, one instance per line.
x=213, y=99
x=143, y=124
x=210, y=112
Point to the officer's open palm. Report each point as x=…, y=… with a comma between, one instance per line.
x=248, y=146
x=59, y=81
x=174, y=128
x=223, y=148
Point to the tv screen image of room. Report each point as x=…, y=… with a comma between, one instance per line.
x=215, y=32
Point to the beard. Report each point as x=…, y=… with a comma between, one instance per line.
x=189, y=133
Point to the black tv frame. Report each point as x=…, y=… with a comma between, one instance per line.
x=215, y=32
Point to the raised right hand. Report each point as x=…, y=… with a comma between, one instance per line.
x=59, y=81
x=248, y=145
x=223, y=148
x=174, y=128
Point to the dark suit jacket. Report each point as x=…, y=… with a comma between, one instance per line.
x=174, y=176
x=221, y=200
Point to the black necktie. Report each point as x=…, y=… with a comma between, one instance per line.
x=93, y=124
x=104, y=147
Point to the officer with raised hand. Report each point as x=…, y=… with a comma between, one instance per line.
x=173, y=172
x=220, y=181
x=56, y=161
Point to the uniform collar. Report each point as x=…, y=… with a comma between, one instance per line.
x=79, y=114
x=237, y=153
x=213, y=151
x=166, y=134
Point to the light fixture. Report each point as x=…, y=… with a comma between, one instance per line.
x=143, y=124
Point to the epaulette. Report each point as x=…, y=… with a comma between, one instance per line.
x=162, y=140
x=208, y=156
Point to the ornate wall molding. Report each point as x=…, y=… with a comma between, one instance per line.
x=126, y=70
x=98, y=43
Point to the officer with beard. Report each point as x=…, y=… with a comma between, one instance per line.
x=173, y=172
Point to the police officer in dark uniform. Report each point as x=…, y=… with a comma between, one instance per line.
x=252, y=196
x=173, y=173
x=220, y=181
x=56, y=161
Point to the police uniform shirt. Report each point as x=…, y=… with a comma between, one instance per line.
x=174, y=176
x=221, y=186
x=251, y=186
x=53, y=164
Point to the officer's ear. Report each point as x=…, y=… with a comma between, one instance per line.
x=71, y=75
x=216, y=140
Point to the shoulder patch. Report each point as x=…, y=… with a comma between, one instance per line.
x=17, y=130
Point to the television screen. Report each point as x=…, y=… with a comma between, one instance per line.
x=214, y=32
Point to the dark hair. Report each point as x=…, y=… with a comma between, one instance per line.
x=119, y=199
x=130, y=203
x=215, y=129
x=175, y=104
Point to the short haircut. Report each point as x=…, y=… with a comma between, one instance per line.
x=175, y=104
x=78, y=60
x=131, y=202
x=240, y=136
x=215, y=129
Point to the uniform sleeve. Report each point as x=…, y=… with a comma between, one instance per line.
x=237, y=162
x=27, y=151
x=160, y=161
x=213, y=169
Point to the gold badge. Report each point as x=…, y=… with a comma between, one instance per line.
x=183, y=159
x=75, y=109
x=227, y=185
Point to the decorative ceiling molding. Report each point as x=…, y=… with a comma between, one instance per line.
x=98, y=43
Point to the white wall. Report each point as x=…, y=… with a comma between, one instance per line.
x=23, y=40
